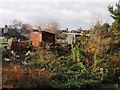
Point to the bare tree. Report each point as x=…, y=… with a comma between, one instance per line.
x=50, y=26
x=53, y=26
x=27, y=27
x=41, y=25
x=16, y=24
x=20, y=25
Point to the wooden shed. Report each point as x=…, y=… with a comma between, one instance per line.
x=39, y=38
x=72, y=38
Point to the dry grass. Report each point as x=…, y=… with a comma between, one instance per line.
x=16, y=75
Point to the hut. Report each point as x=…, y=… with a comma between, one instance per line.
x=38, y=38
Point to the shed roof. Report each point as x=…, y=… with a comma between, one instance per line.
x=42, y=31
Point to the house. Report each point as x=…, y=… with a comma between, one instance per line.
x=74, y=31
x=4, y=31
x=14, y=33
x=40, y=38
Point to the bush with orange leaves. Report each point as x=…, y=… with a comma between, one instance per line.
x=26, y=77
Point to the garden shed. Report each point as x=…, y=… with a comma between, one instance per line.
x=72, y=38
x=39, y=38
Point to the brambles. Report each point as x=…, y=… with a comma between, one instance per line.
x=50, y=68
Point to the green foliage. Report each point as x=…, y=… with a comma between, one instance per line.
x=72, y=72
x=75, y=75
x=96, y=61
x=99, y=72
x=76, y=53
x=105, y=29
x=115, y=14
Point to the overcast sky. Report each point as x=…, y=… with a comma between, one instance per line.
x=68, y=13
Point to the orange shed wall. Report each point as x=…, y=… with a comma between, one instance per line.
x=36, y=38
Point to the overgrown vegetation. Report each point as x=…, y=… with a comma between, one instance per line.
x=88, y=63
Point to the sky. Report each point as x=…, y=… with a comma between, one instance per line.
x=70, y=14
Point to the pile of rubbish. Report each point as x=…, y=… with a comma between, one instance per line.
x=16, y=50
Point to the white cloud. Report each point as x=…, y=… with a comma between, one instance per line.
x=5, y=12
x=69, y=14
x=77, y=11
x=83, y=15
x=86, y=16
x=71, y=0
x=100, y=11
x=79, y=5
x=57, y=1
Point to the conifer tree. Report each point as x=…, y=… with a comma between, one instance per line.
x=115, y=14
